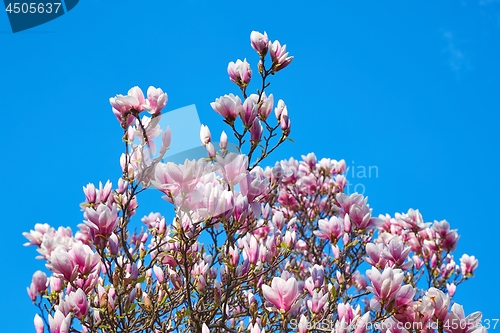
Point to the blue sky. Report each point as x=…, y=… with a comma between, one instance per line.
x=408, y=87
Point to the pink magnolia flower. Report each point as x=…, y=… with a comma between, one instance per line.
x=210, y=150
x=160, y=275
x=39, y=326
x=251, y=248
x=266, y=107
x=35, y=237
x=259, y=42
x=216, y=201
x=417, y=313
x=375, y=257
x=59, y=323
x=250, y=110
x=446, y=238
x=256, y=131
x=412, y=220
x=39, y=281
x=331, y=229
x=396, y=252
x=139, y=96
x=440, y=301
x=233, y=167
x=102, y=221
x=253, y=185
x=240, y=72
x=32, y=293
x=113, y=245
x=234, y=255
x=361, y=323
x=223, y=141
x=61, y=263
x=385, y=284
x=468, y=264
x=303, y=324
x=156, y=101
x=55, y=283
x=283, y=119
x=121, y=107
x=452, y=288
x=228, y=106
x=346, y=312
x=359, y=211
x=318, y=302
x=282, y=293
x=280, y=109
x=279, y=56
x=86, y=259
x=174, y=180
x=318, y=275
x=457, y=322
x=205, y=135
x=404, y=296
x=79, y=303
x=90, y=193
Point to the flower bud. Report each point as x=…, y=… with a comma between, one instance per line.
x=223, y=141
x=280, y=108
x=39, y=281
x=256, y=131
x=211, y=150
x=205, y=135
x=39, y=326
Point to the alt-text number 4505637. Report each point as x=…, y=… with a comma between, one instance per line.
x=33, y=7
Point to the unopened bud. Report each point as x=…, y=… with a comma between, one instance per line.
x=210, y=150
x=205, y=135
x=103, y=301
x=223, y=141
x=147, y=303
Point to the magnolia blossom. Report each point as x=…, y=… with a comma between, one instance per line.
x=457, y=322
x=385, y=284
x=240, y=72
x=205, y=135
x=228, y=106
x=259, y=42
x=102, y=221
x=279, y=56
x=59, y=323
x=39, y=281
x=39, y=325
x=468, y=264
x=282, y=293
x=79, y=303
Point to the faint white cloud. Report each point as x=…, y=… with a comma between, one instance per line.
x=488, y=2
x=457, y=61
x=491, y=10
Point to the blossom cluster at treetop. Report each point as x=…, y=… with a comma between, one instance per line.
x=250, y=248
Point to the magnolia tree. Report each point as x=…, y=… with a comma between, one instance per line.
x=251, y=248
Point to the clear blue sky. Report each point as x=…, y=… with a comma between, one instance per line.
x=409, y=87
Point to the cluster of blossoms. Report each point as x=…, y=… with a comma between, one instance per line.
x=249, y=248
